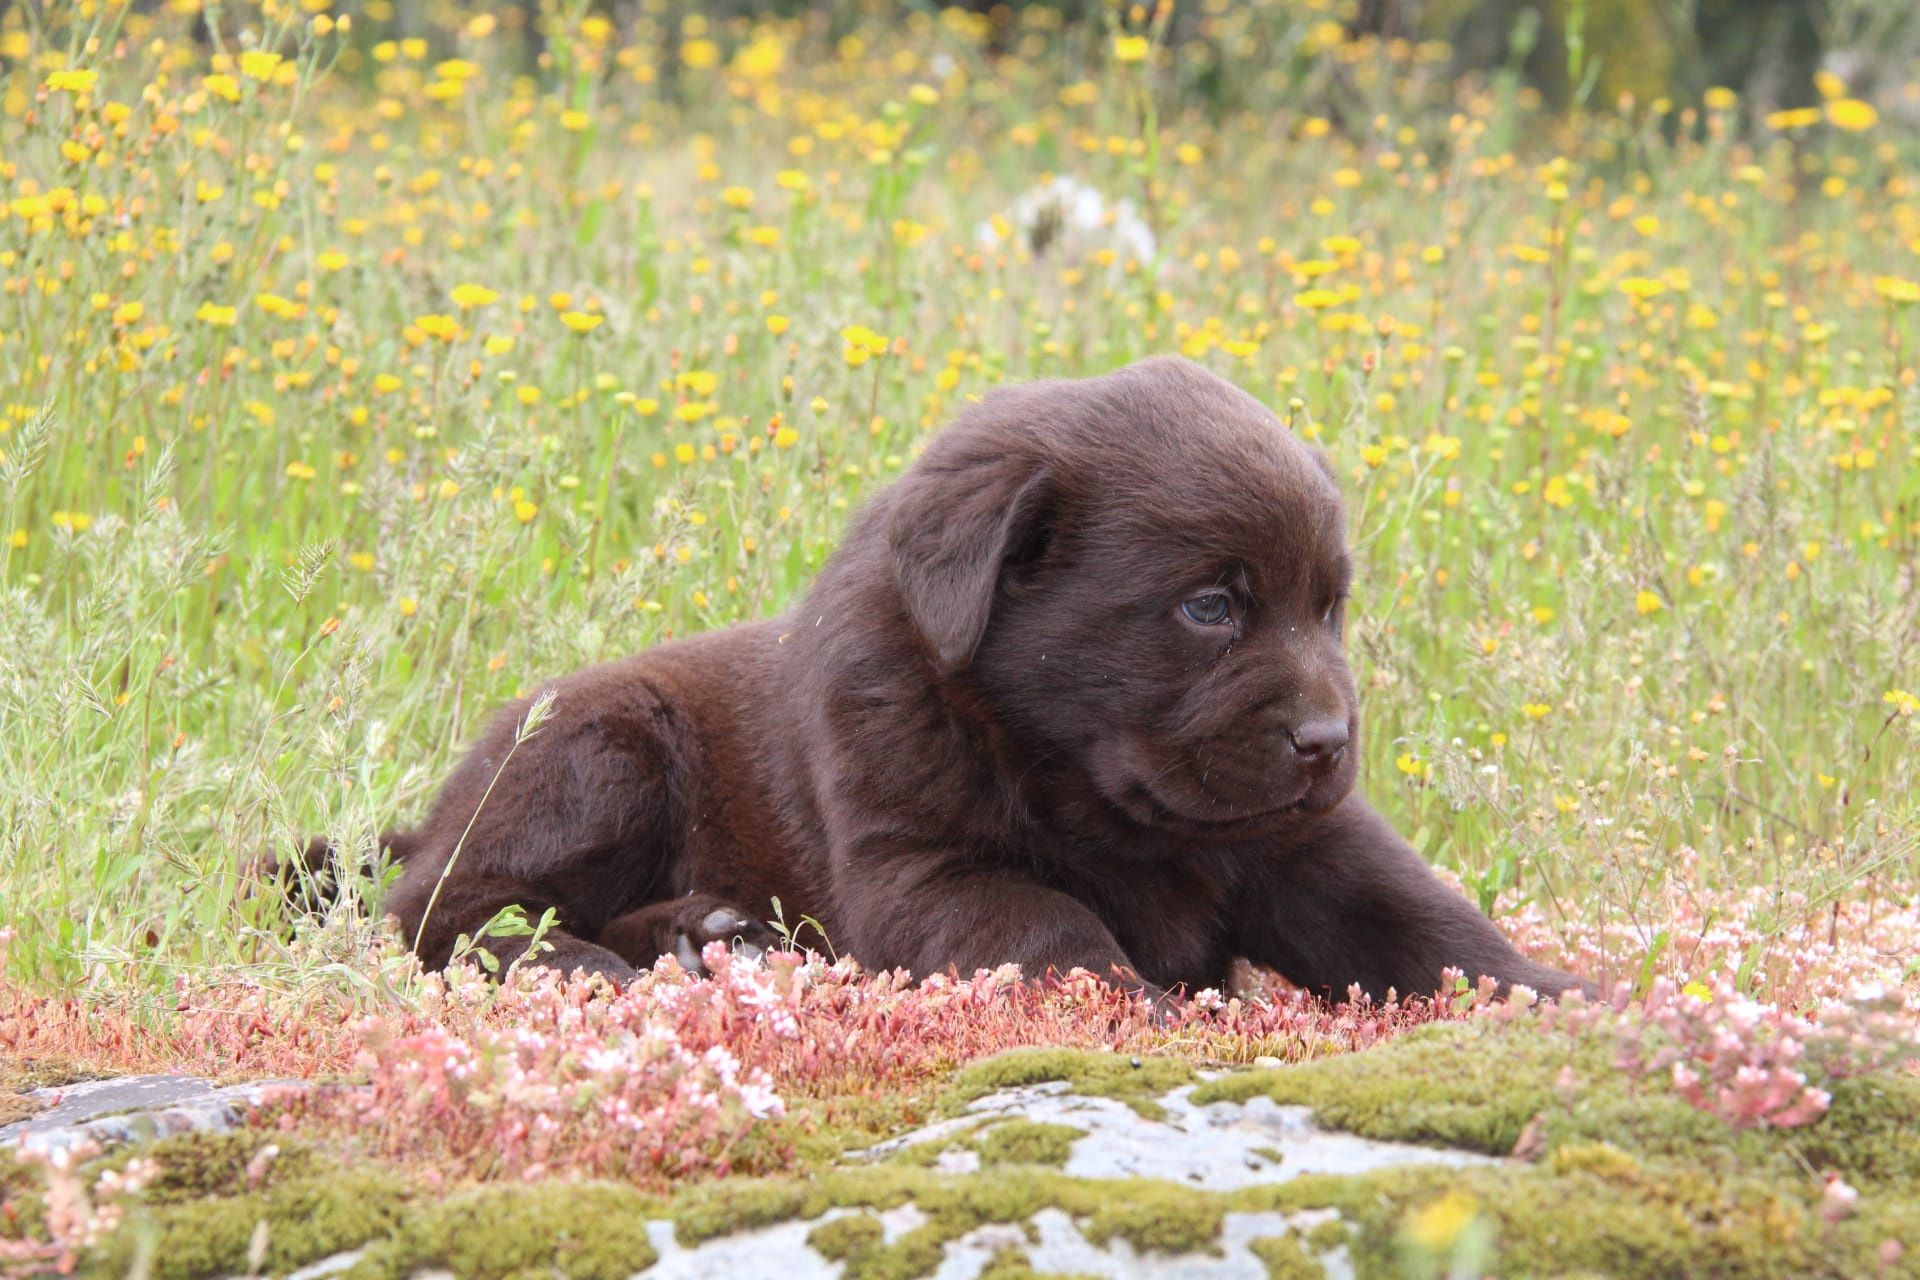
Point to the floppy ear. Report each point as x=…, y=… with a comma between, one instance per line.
x=957, y=522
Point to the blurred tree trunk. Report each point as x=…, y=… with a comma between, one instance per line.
x=1768, y=50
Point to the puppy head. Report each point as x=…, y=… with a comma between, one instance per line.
x=1143, y=576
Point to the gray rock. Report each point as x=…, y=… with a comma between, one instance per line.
x=1057, y=1245
x=135, y=1109
x=1221, y=1146
x=769, y=1253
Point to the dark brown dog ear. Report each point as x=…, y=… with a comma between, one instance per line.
x=957, y=523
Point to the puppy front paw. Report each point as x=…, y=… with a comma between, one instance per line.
x=1163, y=1006
x=744, y=936
x=682, y=928
x=572, y=956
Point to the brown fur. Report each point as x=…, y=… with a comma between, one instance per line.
x=990, y=733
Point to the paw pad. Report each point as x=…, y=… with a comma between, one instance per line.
x=723, y=924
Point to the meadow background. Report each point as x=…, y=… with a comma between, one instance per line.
x=365, y=370
x=362, y=367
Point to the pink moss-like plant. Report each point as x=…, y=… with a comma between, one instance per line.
x=676, y=1076
x=1750, y=1063
x=1777, y=947
x=77, y=1213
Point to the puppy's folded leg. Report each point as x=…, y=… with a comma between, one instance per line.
x=681, y=927
x=927, y=915
x=573, y=818
x=466, y=904
x=1348, y=902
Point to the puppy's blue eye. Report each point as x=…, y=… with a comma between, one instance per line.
x=1209, y=610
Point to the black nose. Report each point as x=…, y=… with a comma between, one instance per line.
x=1319, y=743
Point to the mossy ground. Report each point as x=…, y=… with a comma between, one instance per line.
x=1477, y=1085
x=1136, y=1081
x=1025, y=1142
x=1631, y=1181
x=1287, y=1258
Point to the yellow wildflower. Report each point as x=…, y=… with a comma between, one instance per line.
x=469, y=296
x=1436, y=1226
x=258, y=64
x=71, y=81
x=443, y=327
x=1795, y=118
x=1896, y=289
x=1852, y=115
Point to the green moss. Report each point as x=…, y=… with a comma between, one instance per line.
x=1619, y=1218
x=195, y=1166
x=1606, y=1162
x=22, y=1207
x=1286, y=1258
x=1444, y=1085
x=822, y=1130
x=1151, y=1216
x=1869, y=1131
x=584, y=1231
x=1158, y=1216
x=858, y=1241
x=308, y=1217
x=916, y=1253
x=1028, y=1142
x=927, y=1154
x=1137, y=1081
x=1632, y=1181
x=921, y=1155
x=1477, y=1085
x=723, y=1208
x=1326, y=1235
x=1011, y=1263
x=842, y=1238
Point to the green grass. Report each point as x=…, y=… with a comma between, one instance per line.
x=1628, y=430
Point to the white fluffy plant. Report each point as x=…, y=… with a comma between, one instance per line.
x=1070, y=220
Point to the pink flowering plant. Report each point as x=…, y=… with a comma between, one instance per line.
x=1756, y=1064
x=79, y=1208
x=1746, y=1061
x=677, y=1077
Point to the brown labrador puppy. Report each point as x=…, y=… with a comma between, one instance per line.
x=1070, y=694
